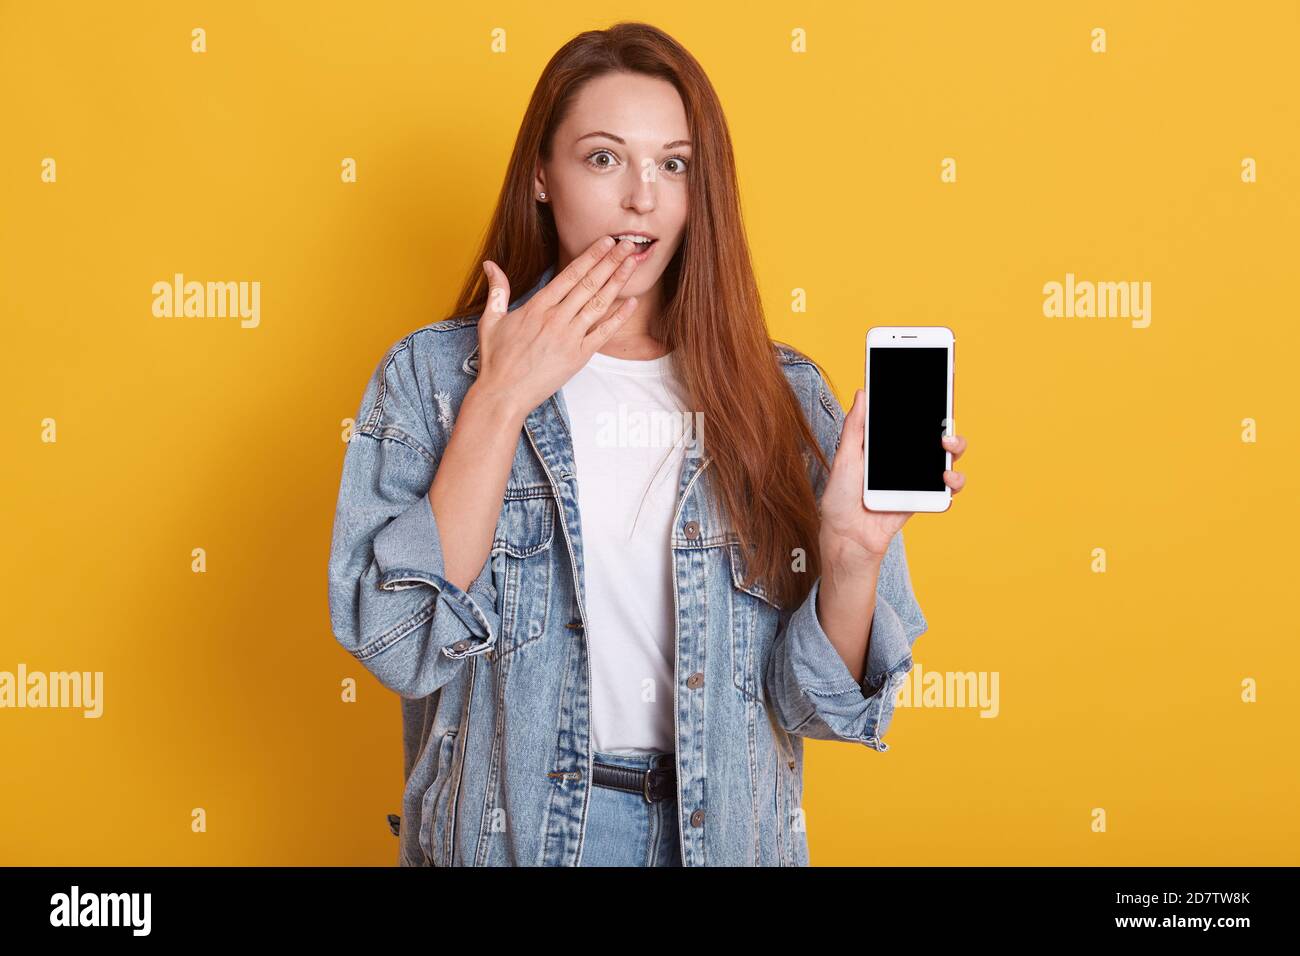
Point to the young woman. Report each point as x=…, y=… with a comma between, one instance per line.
x=611, y=638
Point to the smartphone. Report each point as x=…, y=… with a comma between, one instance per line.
x=909, y=383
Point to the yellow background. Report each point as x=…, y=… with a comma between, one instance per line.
x=1119, y=691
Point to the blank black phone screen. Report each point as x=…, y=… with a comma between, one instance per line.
x=906, y=408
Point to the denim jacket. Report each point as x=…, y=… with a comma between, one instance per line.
x=494, y=680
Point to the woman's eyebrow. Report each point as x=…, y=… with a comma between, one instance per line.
x=622, y=142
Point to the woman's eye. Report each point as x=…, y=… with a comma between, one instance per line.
x=681, y=164
x=598, y=153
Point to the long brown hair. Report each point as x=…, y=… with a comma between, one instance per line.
x=755, y=432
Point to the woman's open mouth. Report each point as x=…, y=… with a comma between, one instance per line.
x=644, y=246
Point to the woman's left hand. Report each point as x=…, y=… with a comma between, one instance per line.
x=848, y=526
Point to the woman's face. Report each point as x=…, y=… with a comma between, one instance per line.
x=618, y=165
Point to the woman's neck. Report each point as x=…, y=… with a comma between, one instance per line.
x=635, y=339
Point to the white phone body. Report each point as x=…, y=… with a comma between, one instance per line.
x=909, y=388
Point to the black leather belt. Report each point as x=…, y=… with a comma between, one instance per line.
x=658, y=783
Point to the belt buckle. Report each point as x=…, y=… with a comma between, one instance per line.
x=649, y=781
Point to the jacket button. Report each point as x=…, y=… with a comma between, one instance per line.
x=460, y=646
x=574, y=625
x=697, y=818
x=695, y=680
x=692, y=529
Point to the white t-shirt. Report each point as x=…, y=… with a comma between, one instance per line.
x=631, y=428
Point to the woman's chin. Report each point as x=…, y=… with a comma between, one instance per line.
x=640, y=283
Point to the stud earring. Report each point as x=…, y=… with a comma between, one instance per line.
x=542, y=196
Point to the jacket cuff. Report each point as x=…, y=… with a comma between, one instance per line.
x=889, y=655
x=853, y=711
x=408, y=554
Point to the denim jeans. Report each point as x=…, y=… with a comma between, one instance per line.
x=623, y=829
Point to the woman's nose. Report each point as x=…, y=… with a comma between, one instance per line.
x=641, y=192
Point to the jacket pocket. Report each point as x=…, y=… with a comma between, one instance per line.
x=527, y=523
x=522, y=564
x=754, y=621
x=433, y=808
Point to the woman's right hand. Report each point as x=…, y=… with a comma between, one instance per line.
x=525, y=356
